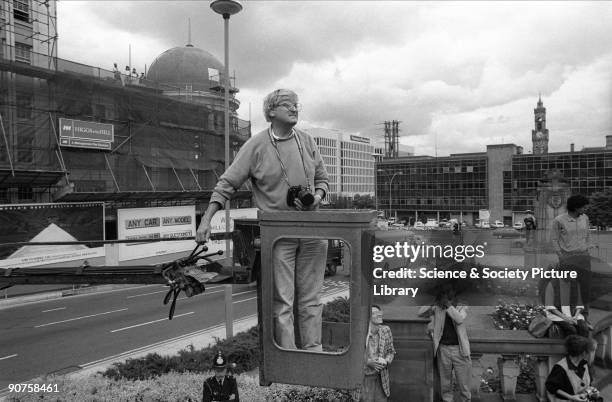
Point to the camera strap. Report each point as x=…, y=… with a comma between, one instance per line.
x=273, y=141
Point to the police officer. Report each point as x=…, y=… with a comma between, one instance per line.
x=221, y=386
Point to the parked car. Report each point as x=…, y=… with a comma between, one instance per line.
x=518, y=225
x=419, y=225
x=485, y=225
x=431, y=223
x=501, y=233
x=497, y=224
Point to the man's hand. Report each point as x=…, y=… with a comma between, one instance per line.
x=375, y=365
x=203, y=232
x=301, y=207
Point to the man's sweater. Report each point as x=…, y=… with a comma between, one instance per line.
x=258, y=160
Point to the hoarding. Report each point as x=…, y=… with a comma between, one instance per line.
x=155, y=223
x=85, y=134
x=49, y=222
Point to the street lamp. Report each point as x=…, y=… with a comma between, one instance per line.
x=390, y=182
x=227, y=8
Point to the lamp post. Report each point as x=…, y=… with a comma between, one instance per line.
x=390, y=182
x=227, y=8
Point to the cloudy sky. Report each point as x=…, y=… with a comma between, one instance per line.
x=457, y=74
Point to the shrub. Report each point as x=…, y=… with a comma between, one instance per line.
x=337, y=310
x=169, y=388
x=243, y=350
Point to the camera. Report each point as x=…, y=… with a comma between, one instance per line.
x=301, y=193
x=592, y=395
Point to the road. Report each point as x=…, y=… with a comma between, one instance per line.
x=60, y=335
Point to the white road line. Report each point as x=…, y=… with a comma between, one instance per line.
x=146, y=294
x=7, y=357
x=79, y=318
x=240, y=301
x=147, y=323
x=241, y=293
x=201, y=294
x=54, y=309
x=162, y=291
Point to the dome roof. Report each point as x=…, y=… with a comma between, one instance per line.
x=186, y=65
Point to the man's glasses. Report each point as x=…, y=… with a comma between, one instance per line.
x=291, y=106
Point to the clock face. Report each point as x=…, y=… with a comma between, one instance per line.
x=539, y=135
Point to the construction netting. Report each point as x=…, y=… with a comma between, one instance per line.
x=165, y=138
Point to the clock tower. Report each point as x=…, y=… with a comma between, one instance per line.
x=539, y=136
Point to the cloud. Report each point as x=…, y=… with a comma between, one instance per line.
x=468, y=70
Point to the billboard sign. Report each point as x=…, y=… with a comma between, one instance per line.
x=155, y=223
x=50, y=222
x=357, y=138
x=85, y=134
x=484, y=215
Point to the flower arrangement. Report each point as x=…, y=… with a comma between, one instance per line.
x=515, y=316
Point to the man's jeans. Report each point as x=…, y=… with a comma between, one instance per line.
x=449, y=360
x=581, y=263
x=299, y=267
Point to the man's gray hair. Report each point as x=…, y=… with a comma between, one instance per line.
x=274, y=98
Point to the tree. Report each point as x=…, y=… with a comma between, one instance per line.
x=363, y=201
x=600, y=208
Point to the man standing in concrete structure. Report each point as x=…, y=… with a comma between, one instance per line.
x=451, y=344
x=379, y=354
x=571, y=241
x=287, y=174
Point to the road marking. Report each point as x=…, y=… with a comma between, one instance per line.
x=146, y=294
x=162, y=291
x=80, y=318
x=7, y=357
x=240, y=301
x=201, y=294
x=54, y=309
x=150, y=322
x=241, y=293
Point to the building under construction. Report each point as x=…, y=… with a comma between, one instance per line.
x=72, y=132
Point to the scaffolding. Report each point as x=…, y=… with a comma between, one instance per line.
x=391, y=138
x=165, y=147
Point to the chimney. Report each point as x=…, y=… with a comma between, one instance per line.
x=608, y=141
x=572, y=147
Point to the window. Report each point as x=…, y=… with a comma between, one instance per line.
x=23, y=53
x=21, y=10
